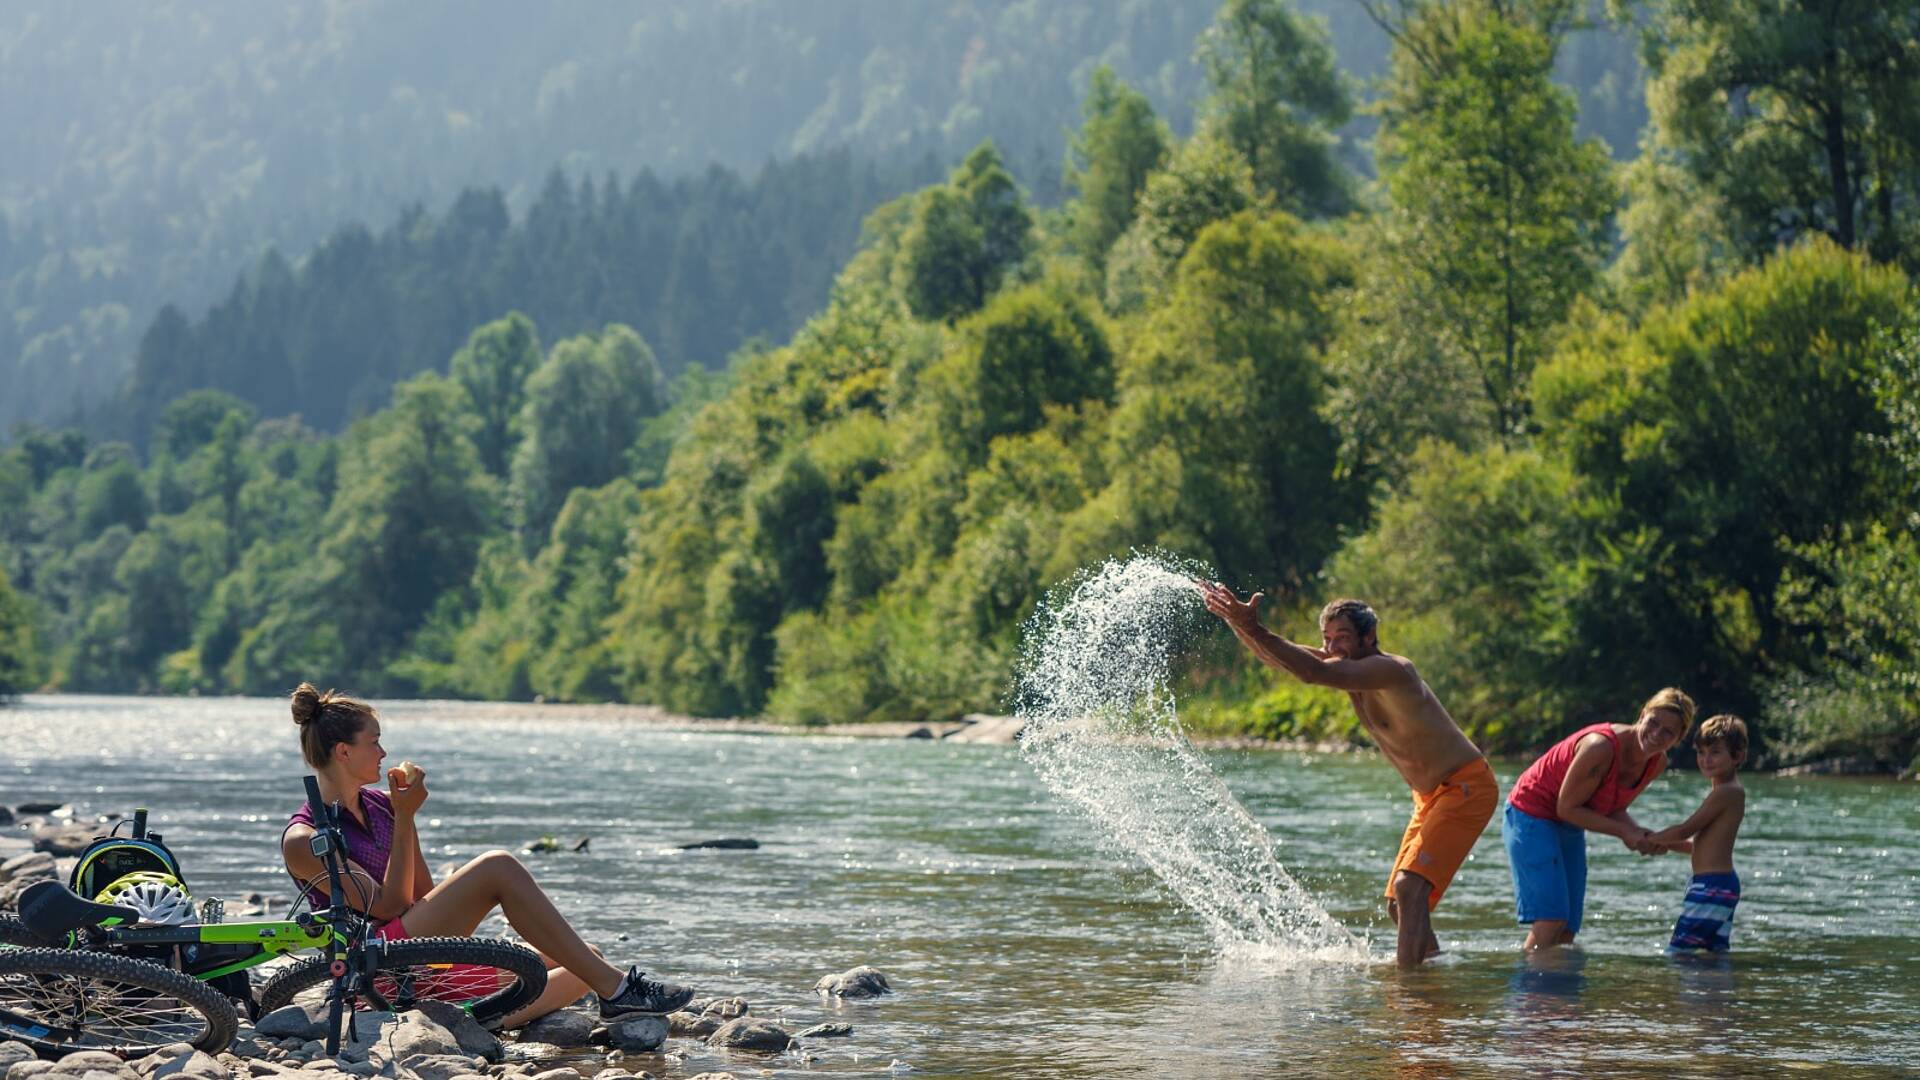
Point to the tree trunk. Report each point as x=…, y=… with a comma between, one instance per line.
x=1834, y=123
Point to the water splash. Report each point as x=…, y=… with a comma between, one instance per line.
x=1103, y=733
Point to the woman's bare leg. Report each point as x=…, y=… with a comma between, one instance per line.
x=563, y=989
x=496, y=879
x=1546, y=932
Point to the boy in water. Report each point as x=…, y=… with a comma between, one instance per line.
x=1706, y=916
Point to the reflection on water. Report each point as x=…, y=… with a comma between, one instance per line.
x=1019, y=945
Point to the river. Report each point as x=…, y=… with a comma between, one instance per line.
x=1017, y=944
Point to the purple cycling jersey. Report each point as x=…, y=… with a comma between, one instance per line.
x=369, y=845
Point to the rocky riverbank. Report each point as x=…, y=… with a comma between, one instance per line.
x=438, y=1041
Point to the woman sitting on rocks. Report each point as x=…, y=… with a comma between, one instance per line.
x=340, y=738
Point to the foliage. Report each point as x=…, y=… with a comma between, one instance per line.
x=1119, y=145
x=19, y=652
x=1498, y=218
x=1798, y=117
x=1278, y=98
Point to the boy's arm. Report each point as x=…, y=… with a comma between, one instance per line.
x=1718, y=801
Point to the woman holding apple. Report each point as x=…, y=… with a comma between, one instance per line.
x=340, y=738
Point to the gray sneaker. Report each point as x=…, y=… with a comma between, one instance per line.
x=642, y=996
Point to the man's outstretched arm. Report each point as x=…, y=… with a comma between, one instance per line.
x=1311, y=666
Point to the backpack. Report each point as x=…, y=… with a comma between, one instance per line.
x=111, y=858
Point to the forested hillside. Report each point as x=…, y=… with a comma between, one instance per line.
x=1577, y=430
x=698, y=265
x=158, y=150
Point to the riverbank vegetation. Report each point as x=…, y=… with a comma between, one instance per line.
x=1577, y=430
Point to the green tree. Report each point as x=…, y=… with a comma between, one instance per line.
x=1278, y=97
x=413, y=506
x=963, y=239
x=191, y=420
x=1207, y=181
x=1797, y=115
x=1498, y=216
x=584, y=408
x=1216, y=448
x=19, y=651
x=1699, y=424
x=1119, y=144
x=492, y=367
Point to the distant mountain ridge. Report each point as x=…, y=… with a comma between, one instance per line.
x=158, y=149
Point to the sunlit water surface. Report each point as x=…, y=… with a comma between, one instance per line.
x=1017, y=944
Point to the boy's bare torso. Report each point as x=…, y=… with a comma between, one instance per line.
x=1713, y=844
x=1413, y=730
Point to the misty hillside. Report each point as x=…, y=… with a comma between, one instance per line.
x=158, y=150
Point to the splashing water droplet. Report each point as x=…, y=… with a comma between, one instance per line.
x=1103, y=733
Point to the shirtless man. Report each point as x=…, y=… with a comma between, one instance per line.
x=1454, y=792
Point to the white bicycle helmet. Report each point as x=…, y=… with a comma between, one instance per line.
x=159, y=898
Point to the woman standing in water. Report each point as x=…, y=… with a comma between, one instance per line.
x=340, y=738
x=1584, y=784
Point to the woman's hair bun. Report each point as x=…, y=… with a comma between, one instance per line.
x=306, y=704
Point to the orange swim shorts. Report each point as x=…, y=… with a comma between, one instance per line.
x=1445, y=825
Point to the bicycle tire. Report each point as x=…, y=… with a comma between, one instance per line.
x=404, y=960
x=15, y=933
x=137, y=1006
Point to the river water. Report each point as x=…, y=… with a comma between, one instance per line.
x=1021, y=946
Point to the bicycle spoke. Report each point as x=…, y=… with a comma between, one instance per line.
x=100, y=1011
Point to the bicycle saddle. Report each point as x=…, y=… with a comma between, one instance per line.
x=52, y=910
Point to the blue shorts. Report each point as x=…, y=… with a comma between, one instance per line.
x=1549, y=864
x=1706, y=916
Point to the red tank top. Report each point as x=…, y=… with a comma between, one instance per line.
x=1537, y=792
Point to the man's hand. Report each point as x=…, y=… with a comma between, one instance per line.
x=1222, y=602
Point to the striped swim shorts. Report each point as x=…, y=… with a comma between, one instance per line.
x=1706, y=917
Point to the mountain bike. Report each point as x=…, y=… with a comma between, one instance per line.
x=78, y=974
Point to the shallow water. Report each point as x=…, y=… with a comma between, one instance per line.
x=1018, y=946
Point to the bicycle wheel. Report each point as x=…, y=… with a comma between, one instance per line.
x=489, y=979
x=15, y=933
x=61, y=1000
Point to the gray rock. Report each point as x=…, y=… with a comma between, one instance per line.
x=612, y=1074
x=749, y=1033
x=689, y=1023
x=825, y=1031
x=983, y=728
x=522, y=1052
x=32, y=866
x=639, y=1033
x=43, y=808
x=267, y=1068
x=6, y=816
x=726, y=1008
x=400, y=1037
x=192, y=1065
x=474, y=1040
x=59, y=840
x=437, y=1066
x=562, y=1028
x=85, y=1061
x=556, y=1074
x=11, y=1052
x=24, y=1070
x=860, y=982
x=360, y=1068
x=296, y=1021
x=713, y=1076
x=725, y=843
